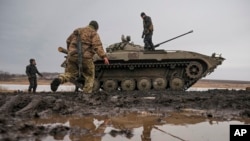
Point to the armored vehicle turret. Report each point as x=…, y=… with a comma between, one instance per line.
x=133, y=68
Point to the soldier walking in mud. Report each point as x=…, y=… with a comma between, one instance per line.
x=90, y=44
x=147, y=32
x=31, y=71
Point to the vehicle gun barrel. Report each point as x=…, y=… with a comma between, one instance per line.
x=157, y=45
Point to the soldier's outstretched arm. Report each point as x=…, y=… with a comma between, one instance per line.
x=98, y=48
x=38, y=73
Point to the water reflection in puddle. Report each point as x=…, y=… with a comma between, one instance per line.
x=139, y=127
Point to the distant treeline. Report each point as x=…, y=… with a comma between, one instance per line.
x=6, y=76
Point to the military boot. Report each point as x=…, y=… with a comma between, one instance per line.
x=55, y=84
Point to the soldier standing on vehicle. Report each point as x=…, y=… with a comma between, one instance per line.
x=147, y=32
x=90, y=44
x=31, y=71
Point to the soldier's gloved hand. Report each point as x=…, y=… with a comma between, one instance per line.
x=142, y=36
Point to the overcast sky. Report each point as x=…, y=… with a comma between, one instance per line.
x=35, y=28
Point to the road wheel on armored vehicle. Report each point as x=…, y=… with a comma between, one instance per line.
x=176, y=84
x=144, y=84
x=128, y=84
x=194, y=70
x=110, y=85
x=159, y=83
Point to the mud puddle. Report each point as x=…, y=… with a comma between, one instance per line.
x=175, y=126
x=140, y=116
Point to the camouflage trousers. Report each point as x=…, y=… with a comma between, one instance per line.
x=71, y=72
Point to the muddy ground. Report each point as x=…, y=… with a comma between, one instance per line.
x=17, y=109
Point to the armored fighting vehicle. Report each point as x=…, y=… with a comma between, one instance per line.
x=133, y=68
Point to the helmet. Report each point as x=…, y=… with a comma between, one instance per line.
x=94, y=24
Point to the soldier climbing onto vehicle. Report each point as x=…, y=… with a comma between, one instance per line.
x=90, y=44
x=147, y=32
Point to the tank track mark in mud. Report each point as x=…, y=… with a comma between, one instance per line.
x=150, y=74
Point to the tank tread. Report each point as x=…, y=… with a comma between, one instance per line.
x=141, y=65
x=132, y=65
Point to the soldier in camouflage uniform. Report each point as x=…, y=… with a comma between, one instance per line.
x=91, y=45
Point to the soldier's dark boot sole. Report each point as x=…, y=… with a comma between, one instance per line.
x=55, y=84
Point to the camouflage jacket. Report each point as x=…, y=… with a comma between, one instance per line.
x=91, y=42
